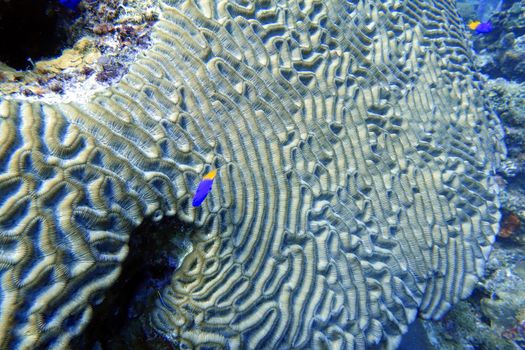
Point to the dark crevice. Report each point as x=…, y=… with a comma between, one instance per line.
x=121, y=320
x=32, y=30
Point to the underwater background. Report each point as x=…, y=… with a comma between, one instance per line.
x=60, y=51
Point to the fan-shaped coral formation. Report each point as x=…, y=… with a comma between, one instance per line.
x=354, y=188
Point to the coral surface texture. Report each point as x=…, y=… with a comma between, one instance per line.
x=355, y=157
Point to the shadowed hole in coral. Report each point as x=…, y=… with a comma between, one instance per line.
x=120, y=320
x=415, y=338
x=32, y=30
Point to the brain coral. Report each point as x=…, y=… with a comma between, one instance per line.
x=355, y=156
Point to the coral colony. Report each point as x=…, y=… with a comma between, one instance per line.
x=353, y=176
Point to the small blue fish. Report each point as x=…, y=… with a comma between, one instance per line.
x=204, y=188
x=481, y=27
x=484, y=28
x=71, y=4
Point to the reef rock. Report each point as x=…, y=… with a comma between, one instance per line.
x=355, y=155
x=502, y=52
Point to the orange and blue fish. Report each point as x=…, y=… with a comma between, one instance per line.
x=204, y=188
x=481, y=27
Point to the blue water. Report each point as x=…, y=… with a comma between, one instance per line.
x=487, y=7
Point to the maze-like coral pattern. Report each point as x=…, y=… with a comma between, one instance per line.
x=354, y=152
